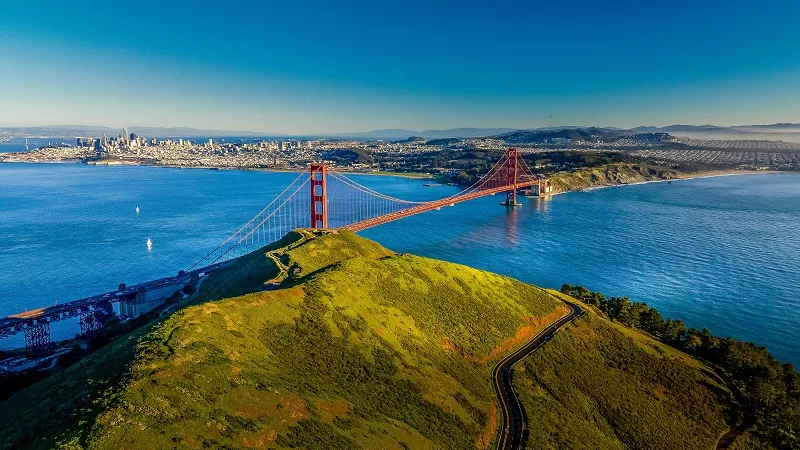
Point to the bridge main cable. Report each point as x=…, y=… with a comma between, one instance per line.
x=360, y=207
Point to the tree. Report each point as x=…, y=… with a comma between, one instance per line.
x=693, y=342
x=637, y=310
x=674, y=332
x=652, y=322
x=582, y=293
x=597, y=299
x=710, y=342
x=619, y=307
x=463, y=178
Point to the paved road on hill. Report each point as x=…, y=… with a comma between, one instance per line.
x=513, y=414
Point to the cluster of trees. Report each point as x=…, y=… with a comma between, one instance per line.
x=347, y=156
x=770, y=389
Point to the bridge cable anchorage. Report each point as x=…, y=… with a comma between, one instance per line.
x=336, y=201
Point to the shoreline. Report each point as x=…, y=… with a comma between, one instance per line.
x=680, y=177
x=408, y=175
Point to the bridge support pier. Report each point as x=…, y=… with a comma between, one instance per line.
x=134, y=306
x=37, y=338
x=511, y=199
x=90, y=322
x=543, y=188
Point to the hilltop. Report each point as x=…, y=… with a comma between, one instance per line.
x=358, y=347
x=328, y=340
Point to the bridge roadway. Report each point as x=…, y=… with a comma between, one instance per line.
x=18, y=322
x=511, y=435
x=429, y=206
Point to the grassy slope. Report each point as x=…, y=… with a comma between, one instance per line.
x=608, y=175
x=365, y=348
x=362, y=348
x=597, y=384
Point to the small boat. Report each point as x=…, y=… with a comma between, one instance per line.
x=137, y=210
x=149, y=245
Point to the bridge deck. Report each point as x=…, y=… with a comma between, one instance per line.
x=510, y=173
x=449, y=201
x=17, y=322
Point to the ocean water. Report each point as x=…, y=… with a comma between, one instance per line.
x=721, y=253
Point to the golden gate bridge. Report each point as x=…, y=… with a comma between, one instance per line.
x=328, y=199
x=322, y=198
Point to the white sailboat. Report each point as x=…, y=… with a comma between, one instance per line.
x=149, y=245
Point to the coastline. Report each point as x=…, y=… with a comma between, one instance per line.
x=408, y=175
x=679, y=177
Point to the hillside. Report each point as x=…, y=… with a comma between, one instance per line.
x=608, y=175
x=598, y=384
x=359, y=347
x=540, y=136
x=574, y=135
x=443, y=142
x=328, y=340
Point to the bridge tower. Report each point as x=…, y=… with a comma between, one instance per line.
x=512, y=170
x=37, y=338
x=319, y=196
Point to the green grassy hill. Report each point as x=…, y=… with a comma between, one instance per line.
x=598, y=384
x=331, y=342
x=328, y=340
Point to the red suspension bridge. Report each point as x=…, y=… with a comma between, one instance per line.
x=326, y=199
x=337, y=202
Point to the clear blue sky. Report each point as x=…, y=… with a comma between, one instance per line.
x=354, y=66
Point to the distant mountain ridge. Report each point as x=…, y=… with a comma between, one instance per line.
x=777, y=127
x=70, y=131
x=399, y=134
x=572, y=134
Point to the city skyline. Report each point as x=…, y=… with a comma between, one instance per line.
x=355, y=68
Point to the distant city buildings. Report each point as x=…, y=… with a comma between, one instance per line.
x=129, y=148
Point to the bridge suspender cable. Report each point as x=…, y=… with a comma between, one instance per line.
x=338, y=202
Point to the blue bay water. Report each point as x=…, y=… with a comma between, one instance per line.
x=19, y=144
x=721, y=253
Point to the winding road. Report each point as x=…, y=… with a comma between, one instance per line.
x=513, y=415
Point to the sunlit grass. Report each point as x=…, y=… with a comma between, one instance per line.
x=348, y=353
x=597, y=384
